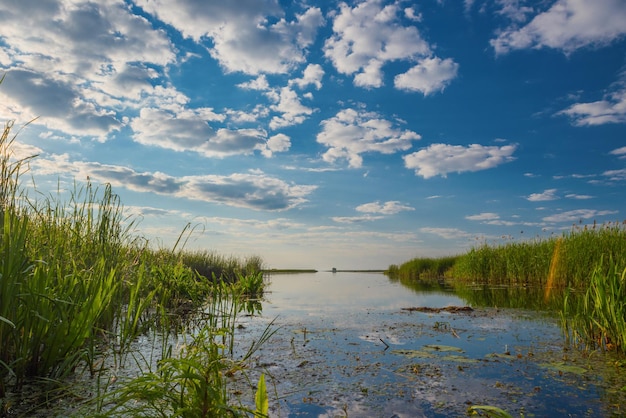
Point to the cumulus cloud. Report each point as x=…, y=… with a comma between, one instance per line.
x=428, y=76
x=548, y=194
x=255, y=191
x=351, y=133
x=312, y=75
x=371, y=34
x=188, y=130
x=259, y=83
x=59, y=102
x=388, y=208
x=578, y=214
x=567, y=25
x=77, y=61
x=441, y=159
x=291, y=109
x=242, y=37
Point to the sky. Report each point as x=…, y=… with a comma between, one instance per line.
x=320, y=134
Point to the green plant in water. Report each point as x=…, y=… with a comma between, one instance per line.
x=261, y=401
x=488, y=411
x=597, y=317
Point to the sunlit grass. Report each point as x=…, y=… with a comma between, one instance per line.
x=596, y=317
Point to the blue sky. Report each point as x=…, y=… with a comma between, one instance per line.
x=321, y=133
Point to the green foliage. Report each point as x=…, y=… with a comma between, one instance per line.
x=261, y=401
x=488, y=411
x=74, y=284
x=423, y=269
x=596, y=318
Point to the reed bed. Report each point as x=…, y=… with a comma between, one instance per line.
x=596, y=318
x=76, y=286
x=558, y=261
x=579, y=274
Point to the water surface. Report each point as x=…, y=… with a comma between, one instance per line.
x=346, y=345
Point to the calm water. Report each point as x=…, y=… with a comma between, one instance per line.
x=345, y=346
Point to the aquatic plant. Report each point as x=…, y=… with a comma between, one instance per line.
x=76, y=285
x=423, y=269
x=596, y=317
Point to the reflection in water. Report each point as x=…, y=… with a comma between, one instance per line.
x=345, y=346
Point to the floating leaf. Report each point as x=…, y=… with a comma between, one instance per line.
x=414, y=353
x=442, y=348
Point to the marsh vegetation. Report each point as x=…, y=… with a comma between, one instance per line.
x=580, y=274
x=78, y=290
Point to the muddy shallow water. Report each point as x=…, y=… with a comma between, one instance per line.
x=347, y=345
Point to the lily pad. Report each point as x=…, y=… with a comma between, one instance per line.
x=459, y=359
x=414, y=353
x=442, y=348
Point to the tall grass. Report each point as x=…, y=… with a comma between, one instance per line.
x=75, y=284
x=588, y=264
x=597, y=317
x=423, y=269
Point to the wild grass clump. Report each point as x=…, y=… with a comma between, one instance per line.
x=423, y=269
x=210, y=264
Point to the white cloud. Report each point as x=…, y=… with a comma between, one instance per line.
x=369, y=35
x=428, y=76
x=578, y=196
x=73, y=63
x=351, y=133
x=355, y=219
x=620, y=152
x=576, y=215
x=253, y=191
x=388, y=208
x=293, y=112
x=259, y=83
x=447, y=233
x=612, y=109
x=243, y=39
x=485, y=216
x=567, y=25
x=277, y=143
x=616, y=175
x=59, y=104
x=312, y=75
x=441, y=159
x=548, y=194
x=188, y=130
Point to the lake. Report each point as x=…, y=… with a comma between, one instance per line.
x=349, y=344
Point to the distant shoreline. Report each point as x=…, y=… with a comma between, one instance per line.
x=294, y=271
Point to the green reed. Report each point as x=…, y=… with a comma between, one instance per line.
x=76, y=285
x=194, y=381
x=423, y=269
x=596, y=318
